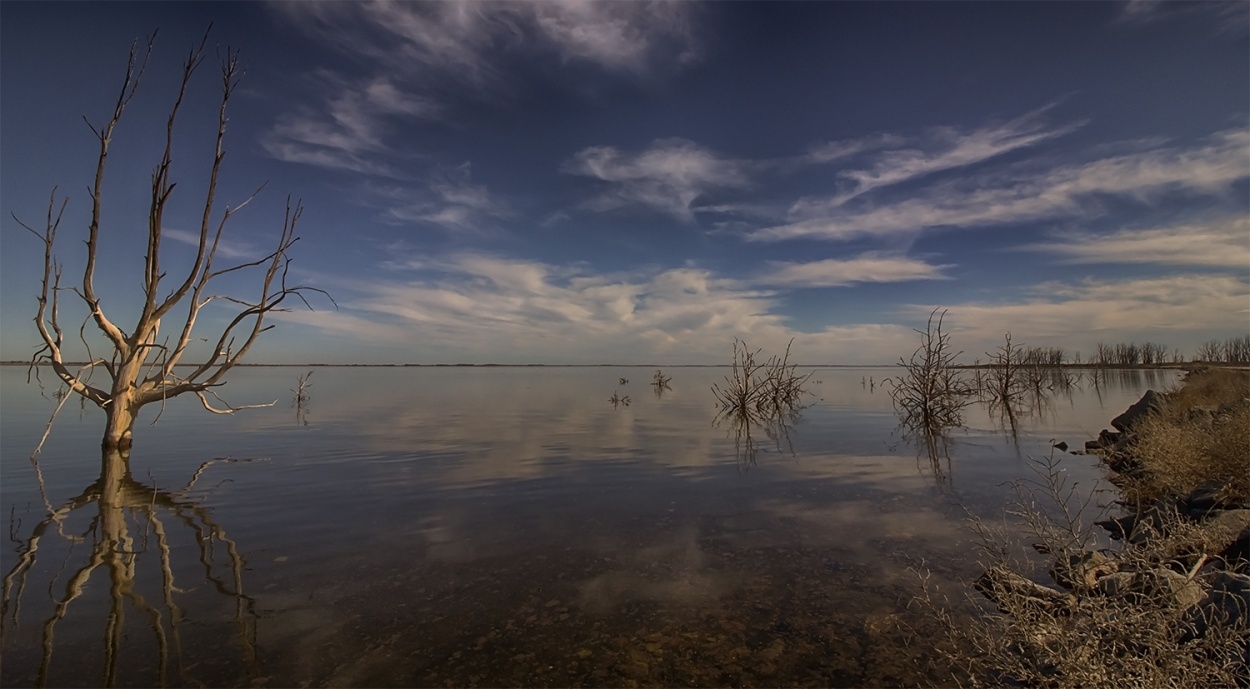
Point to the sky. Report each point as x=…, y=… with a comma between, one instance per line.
x=582, y=182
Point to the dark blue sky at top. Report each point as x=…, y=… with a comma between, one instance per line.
x=485, y=187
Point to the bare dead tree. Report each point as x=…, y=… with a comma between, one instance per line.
x=141, y=366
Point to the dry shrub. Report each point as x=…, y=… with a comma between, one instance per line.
x=1123, y=617
x=766, y=396
x=929, y=395
x=768, y=388
x=1201, y=438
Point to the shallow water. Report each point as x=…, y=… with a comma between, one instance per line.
x=457, y=526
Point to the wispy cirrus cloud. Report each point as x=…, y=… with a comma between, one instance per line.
x=668, y=176
x=415, y=50
x=942, y=148
x=349, y=131
x=449, y=200
x=1223, y=243
x=1018, y=194
x=1230, y=17
x=463, y=38
x=837, y=272
x=227, y=248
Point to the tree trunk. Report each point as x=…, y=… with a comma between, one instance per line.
x=120, y=419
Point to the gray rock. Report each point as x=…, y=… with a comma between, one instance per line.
x=1149, y=403
x=1227, y=603
x=1155, y=585
x=1149, y=523
x=1208, y=497
x=1230, y=533
x=1013, y=592
x=1084, y=570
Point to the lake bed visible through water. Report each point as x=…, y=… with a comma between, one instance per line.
x=499, y=526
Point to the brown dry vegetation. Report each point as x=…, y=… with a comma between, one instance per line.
x=1201, y=437
x=1165, y=606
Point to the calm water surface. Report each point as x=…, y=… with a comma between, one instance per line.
x=495, y=526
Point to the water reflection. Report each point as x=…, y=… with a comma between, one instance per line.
x=131, y=526
x=746, y=425
x=1032, y=396
x=505, y=526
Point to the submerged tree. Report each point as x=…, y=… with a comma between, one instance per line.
x=140, y=366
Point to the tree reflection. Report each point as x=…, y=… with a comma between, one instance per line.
x=120, y=548
x=748, y=424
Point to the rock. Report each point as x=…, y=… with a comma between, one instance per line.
x=1147, y=405
x=1227, y=603
x=1137, y=528
x=1228, y=532
x=1157, y=585
x=1237, y=554
x=1210, y=497
x=1011, y=591
x=1084, y=570
x=1061, y=446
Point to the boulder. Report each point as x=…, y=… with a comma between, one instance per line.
x=1237, y=554
x=1084, y=570
x=1227, y=603
x=1228, y=533
x=1013, y=592
x=1140, y=526
x=1210, y=497
x=1155, y=585
x=1147, y=405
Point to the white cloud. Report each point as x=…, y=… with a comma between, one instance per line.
x=495, y=307
x=461, y=39
x=227, y=248
x=945, y=148
x=1230, y=17
x=1172, y=310
x=832, y=151
x=615, y=35
x=484, y=308
x=349, y=134
x=868, y=267
x=1223, y=243
x=450, y=200
x=1015, y=195
x=668, y=176
x=418, y=47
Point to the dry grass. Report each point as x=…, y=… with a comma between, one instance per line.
x=1153, y=611
x=1122, y=617
x=1201, y=438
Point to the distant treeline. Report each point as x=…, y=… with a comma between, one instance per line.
x=1235, y=350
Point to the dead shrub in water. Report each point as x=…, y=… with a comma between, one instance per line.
x=764, y=395
x=1122, y=617
x=1004, y=381
x=930, y=395
x=767, y=388
x=659, y=383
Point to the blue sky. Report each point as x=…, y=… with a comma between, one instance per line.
x=642, y=182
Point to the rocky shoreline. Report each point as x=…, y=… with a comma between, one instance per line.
x=1183, y=558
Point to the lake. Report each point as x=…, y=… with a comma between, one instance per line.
x=498, y=526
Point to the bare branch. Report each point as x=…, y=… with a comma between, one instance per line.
x=229, y=409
